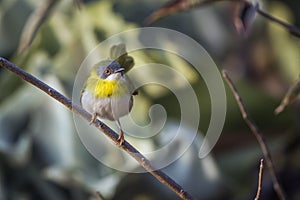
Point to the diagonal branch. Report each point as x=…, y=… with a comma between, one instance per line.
x=34, y=22
x=291, y=96
x=259, y=136
x=294, y=30
x=142, y=160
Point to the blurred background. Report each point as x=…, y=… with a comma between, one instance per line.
x=41, y=154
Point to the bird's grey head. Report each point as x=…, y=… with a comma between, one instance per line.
x=107, y=68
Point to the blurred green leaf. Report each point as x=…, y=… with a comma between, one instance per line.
x=286, y=48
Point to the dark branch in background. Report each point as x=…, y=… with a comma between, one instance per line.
x=292, y=29
x=259, y=136
x=142, y=160
x=175, y=6
x=260, y=175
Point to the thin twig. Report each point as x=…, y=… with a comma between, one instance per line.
x=34, y=22
x=172, y=7
x=291, y=96
x=141, y=159
x=258, y=134
x=292, y=29
x=260, y=175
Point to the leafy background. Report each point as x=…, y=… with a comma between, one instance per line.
x=41, y=155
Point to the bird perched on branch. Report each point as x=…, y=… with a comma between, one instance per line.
x=108, y=92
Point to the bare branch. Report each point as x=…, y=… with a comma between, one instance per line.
x=258, y=134
x=34, y=22
x=141, y=159
x=260, y=175
x=289, y=97
x=176, y=6
x=292, y=29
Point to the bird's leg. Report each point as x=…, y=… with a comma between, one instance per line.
x=94, y=116
x=121, y=135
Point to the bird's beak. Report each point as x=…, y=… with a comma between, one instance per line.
x=120, y=70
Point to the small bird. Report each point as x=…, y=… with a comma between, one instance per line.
x=108, y=93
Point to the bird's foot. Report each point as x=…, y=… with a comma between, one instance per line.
x=121, y=138
x=94, y=116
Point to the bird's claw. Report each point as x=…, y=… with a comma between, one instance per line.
x=121, y=138
x=94, y=116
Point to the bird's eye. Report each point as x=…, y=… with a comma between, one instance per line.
x=107, y=71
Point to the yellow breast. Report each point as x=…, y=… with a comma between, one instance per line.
x=104, y=88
